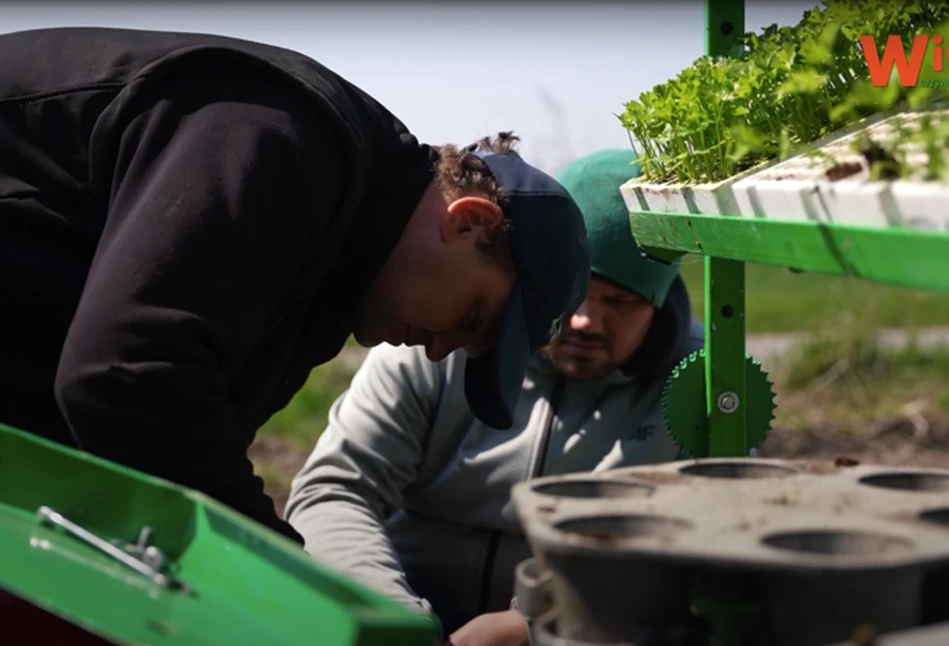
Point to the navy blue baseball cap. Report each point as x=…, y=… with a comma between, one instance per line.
x=552, y=260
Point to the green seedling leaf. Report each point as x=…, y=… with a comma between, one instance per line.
x=805, y=81
x=784, y=143
x=782, y=89
x=747, y=141
x=919, y=97
x=820, y=51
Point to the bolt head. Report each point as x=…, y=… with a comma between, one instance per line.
x=728, y=402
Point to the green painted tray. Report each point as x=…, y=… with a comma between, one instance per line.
x=227, y=579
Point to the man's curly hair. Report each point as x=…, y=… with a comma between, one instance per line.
x=460, y=173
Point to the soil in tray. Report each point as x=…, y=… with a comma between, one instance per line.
x=872, y=154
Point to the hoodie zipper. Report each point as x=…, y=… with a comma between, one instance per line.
x=555, y=397
x=491, y=554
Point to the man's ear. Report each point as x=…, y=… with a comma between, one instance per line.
x=467, y=216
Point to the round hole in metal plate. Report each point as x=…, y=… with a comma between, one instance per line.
x=908, y=481
x=838, y=543
x=595, y=488
x=939, y=515
x=618, y=527
x=738, y=470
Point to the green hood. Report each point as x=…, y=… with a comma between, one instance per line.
x=594, y=183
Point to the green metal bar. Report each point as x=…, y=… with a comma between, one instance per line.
x=724, y=25
x=724, y=287
x=896, y=256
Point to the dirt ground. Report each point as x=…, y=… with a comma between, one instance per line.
x=280, y=461
x=900, y=441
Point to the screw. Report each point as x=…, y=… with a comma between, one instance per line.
x=144, y=535
x=154, y=557
x=727, y=402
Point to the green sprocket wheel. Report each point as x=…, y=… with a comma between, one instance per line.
x=685, y=415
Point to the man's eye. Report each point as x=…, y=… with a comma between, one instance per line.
x=620, y=302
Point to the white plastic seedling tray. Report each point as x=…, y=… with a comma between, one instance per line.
x=702, y=199
x=799, y=189
x=718, y=198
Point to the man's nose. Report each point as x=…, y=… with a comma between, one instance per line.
x=586, y=318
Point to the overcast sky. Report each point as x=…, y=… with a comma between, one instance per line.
x=556, y=72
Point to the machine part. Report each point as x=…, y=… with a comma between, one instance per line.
x=795, y=602
x=67, y=568
x=140, y=549
x=727, y=402
x=684, y=406
x=545, y=632
x=814, y=549
x=724, y=319
x=728, y=603
x=695, y=631
x=47, y=516
x=652, y=601
x=532, y=588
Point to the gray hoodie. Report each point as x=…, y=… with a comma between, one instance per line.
x=407, y=493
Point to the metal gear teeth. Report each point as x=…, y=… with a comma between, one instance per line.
x=770, y=383
x=762, y=423
x=682, y=449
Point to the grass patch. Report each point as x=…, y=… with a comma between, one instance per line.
x=846, y=378
x=274, y=479
x=302, y=421
x=288, y=437
x=779, y=300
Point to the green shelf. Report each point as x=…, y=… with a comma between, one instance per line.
x=896, y=256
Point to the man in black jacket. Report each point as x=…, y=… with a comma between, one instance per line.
x=189, y=224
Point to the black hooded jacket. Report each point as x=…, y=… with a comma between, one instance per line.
x=187, y=224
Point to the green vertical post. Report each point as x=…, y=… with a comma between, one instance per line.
x=724, y=288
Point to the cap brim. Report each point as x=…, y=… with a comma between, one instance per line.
x=493, y=381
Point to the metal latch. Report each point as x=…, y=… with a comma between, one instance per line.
x=147, y=560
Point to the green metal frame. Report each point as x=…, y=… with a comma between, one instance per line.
x=897, y=256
